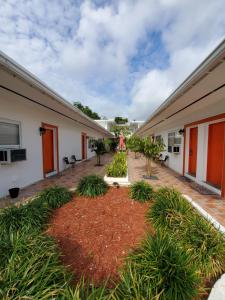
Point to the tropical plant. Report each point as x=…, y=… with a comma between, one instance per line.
x=172, y=213
x=55, y=196
x=169, y=209
x=118, y=168
x=31, y=268
x=141, y=191
x=160, y=269
x=92, y=186
x=99, y=149
x=111, y=143
x=30, y=216
x=151, y=150
x=134, y=144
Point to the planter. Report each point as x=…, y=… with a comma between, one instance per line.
x=14, y=192
x=119, y=180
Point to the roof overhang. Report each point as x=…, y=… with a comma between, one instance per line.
x=17, y=80
x=206, y=79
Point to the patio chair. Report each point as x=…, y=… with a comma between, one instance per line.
x=69, y=163
x=162, y=159
x=73, y=157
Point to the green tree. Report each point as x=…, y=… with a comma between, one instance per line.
x=99, y=149
x=151, y=150
x=134, y=144
x=86, y=110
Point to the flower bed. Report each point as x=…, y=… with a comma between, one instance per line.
x=117, y=171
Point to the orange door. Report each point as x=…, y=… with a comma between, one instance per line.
x=48, y=151
x=84, y=145
x=193, y=150
x=215, y=154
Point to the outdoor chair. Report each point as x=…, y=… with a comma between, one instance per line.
x=73, y=157
x=72, y=162
x=162, y=159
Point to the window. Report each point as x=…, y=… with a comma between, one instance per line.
x=91, y=141
x=9, y=134
x=159, y=139
x=174, y=139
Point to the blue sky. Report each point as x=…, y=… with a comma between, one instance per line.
x=121, y=57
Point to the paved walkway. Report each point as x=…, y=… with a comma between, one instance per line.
x=68, y=178
x=213, y=204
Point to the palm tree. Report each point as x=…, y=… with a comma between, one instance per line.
x=99, y=149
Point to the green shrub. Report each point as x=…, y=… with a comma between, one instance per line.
x=92, y=186
x=32, y=269
x=118, y=168
x=159, y=270
x=170, y=209
x=141, y=191
x=55, y=196
x=206, y=244
x=30, y=216
x=171, y=212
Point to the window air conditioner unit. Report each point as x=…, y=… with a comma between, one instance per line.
x=8, y=156
x=176, y=149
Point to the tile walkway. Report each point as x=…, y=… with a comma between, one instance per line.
x=68, y=178
x=213, y=204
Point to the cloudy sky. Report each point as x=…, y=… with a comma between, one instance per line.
x=120, y=57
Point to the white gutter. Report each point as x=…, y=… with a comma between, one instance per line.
x=14, y=67
x=189, y=81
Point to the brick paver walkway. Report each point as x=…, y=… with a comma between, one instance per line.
x=68, y=178
x=214, y=205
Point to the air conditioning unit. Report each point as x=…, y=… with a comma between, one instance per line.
x=8, y=156
x=176, y=149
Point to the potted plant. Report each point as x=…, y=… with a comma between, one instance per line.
x=151, y=150
x=14, y=192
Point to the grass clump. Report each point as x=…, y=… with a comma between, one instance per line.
x=173, y=214
x=159, y=270
x=118, y=168
x=92, y=186
x=55, y=196
x=32, y=269
x=169, y=210
x=141, y=191
x=30, y=216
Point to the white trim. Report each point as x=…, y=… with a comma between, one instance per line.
x=204, y=213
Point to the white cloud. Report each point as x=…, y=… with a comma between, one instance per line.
x=85, y=51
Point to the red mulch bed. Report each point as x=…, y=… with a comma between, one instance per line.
x=96, y=234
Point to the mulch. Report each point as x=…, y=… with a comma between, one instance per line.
x=95, y=235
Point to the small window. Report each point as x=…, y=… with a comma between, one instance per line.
x=159, y=139
x=91, y=142
x=9, y=134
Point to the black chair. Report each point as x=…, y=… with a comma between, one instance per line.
x=68, y=163
x=163, y=160
x=73, y=157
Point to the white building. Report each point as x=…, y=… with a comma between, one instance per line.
x=132, y=125
x=192, y=124
x=38, y=128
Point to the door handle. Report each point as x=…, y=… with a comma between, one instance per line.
x=190, y=152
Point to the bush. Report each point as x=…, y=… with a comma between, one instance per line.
x=32, y=268
x=159, y=270
x=30, y=216
x=118, y=168
x=207, y=245
x=55, y=196
x=169, y=210
x=92, y=186
x=141, y=191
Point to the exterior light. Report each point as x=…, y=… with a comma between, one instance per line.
x=42, y=130
x=181, y=131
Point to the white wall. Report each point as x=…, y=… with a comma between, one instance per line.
x=30, y=117
x=175, y=160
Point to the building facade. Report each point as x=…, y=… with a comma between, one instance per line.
x=38, y=129
x=192, y=124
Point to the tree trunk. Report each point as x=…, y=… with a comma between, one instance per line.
x=98, y=160
x=135, y=155
x=149, y=167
